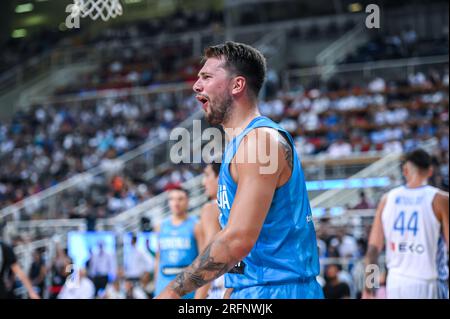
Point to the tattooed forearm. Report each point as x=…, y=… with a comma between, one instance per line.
x=287, y=150
x=207, y=267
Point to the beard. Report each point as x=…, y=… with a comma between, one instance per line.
x=219, y=110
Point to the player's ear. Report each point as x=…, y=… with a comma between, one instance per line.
x=238, y=85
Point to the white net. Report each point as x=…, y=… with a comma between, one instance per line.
x=104, y=9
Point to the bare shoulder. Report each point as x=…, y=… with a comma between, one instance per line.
x=258, y=138
x=209, y=210
x=265, y=147
x=382, y=204
x=209, y=206
x=442, y=195
x=441, y=200
x=384, y=198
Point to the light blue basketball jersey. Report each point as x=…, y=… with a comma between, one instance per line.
x=286, y=250
x=177, y=250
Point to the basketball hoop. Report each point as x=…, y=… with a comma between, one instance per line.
x=104, y=9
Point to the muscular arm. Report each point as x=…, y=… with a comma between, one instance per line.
x=210, y=222
x=251, y=204
x=376, y=238
x=441, y=210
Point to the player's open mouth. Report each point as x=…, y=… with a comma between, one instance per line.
x=203, y=100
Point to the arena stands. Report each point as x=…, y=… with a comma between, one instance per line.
x=93, y=156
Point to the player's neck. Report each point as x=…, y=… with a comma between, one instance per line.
x=178, y=219
x=416, y=181
x=239, y=119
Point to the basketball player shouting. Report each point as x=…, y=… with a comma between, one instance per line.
x=267, y=245
x=411, y=218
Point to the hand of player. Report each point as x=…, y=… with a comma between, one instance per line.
x=168, y=294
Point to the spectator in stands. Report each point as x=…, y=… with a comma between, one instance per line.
x=308, y=119
x=378, y=84
x=272, y=84
x=134, y=292
x=445, y=78
x=393, y=146
x=48, y=144
x=409, y=39
x=333, y=248
x=37, y=273
x=339, y=149
x=77, y=286
x=59, y=272
x=102, y=265
x=138, y=262
x=147, y=284
x=334, y=289
x=114, y=290
x=91, y=218
x=8, y=265
x=417, y=79
x=348, y=247
x=363, y=202
x=272, y=107
x=146, y=226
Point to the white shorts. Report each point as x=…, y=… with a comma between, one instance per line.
x=402, y=287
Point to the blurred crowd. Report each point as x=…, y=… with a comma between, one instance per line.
x=15, y=51
x=341, y=119
x=340, y=255
x=104, y=276
x=45, y=145
x=137, y=65
x=99, y=278
x=404, y=44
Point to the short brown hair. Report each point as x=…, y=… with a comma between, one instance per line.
x=243, y=60
x=178, y=188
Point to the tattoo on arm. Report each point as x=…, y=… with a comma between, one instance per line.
x=204, y=269
x=287, y=150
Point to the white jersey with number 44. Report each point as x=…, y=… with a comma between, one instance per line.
x=412, y=232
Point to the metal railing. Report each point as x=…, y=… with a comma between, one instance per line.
x=367, y=70
x=337, y=51
x=45, y=228
x=50, y=245
x=388, y=166
x=322, y=166
x=155, y=208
